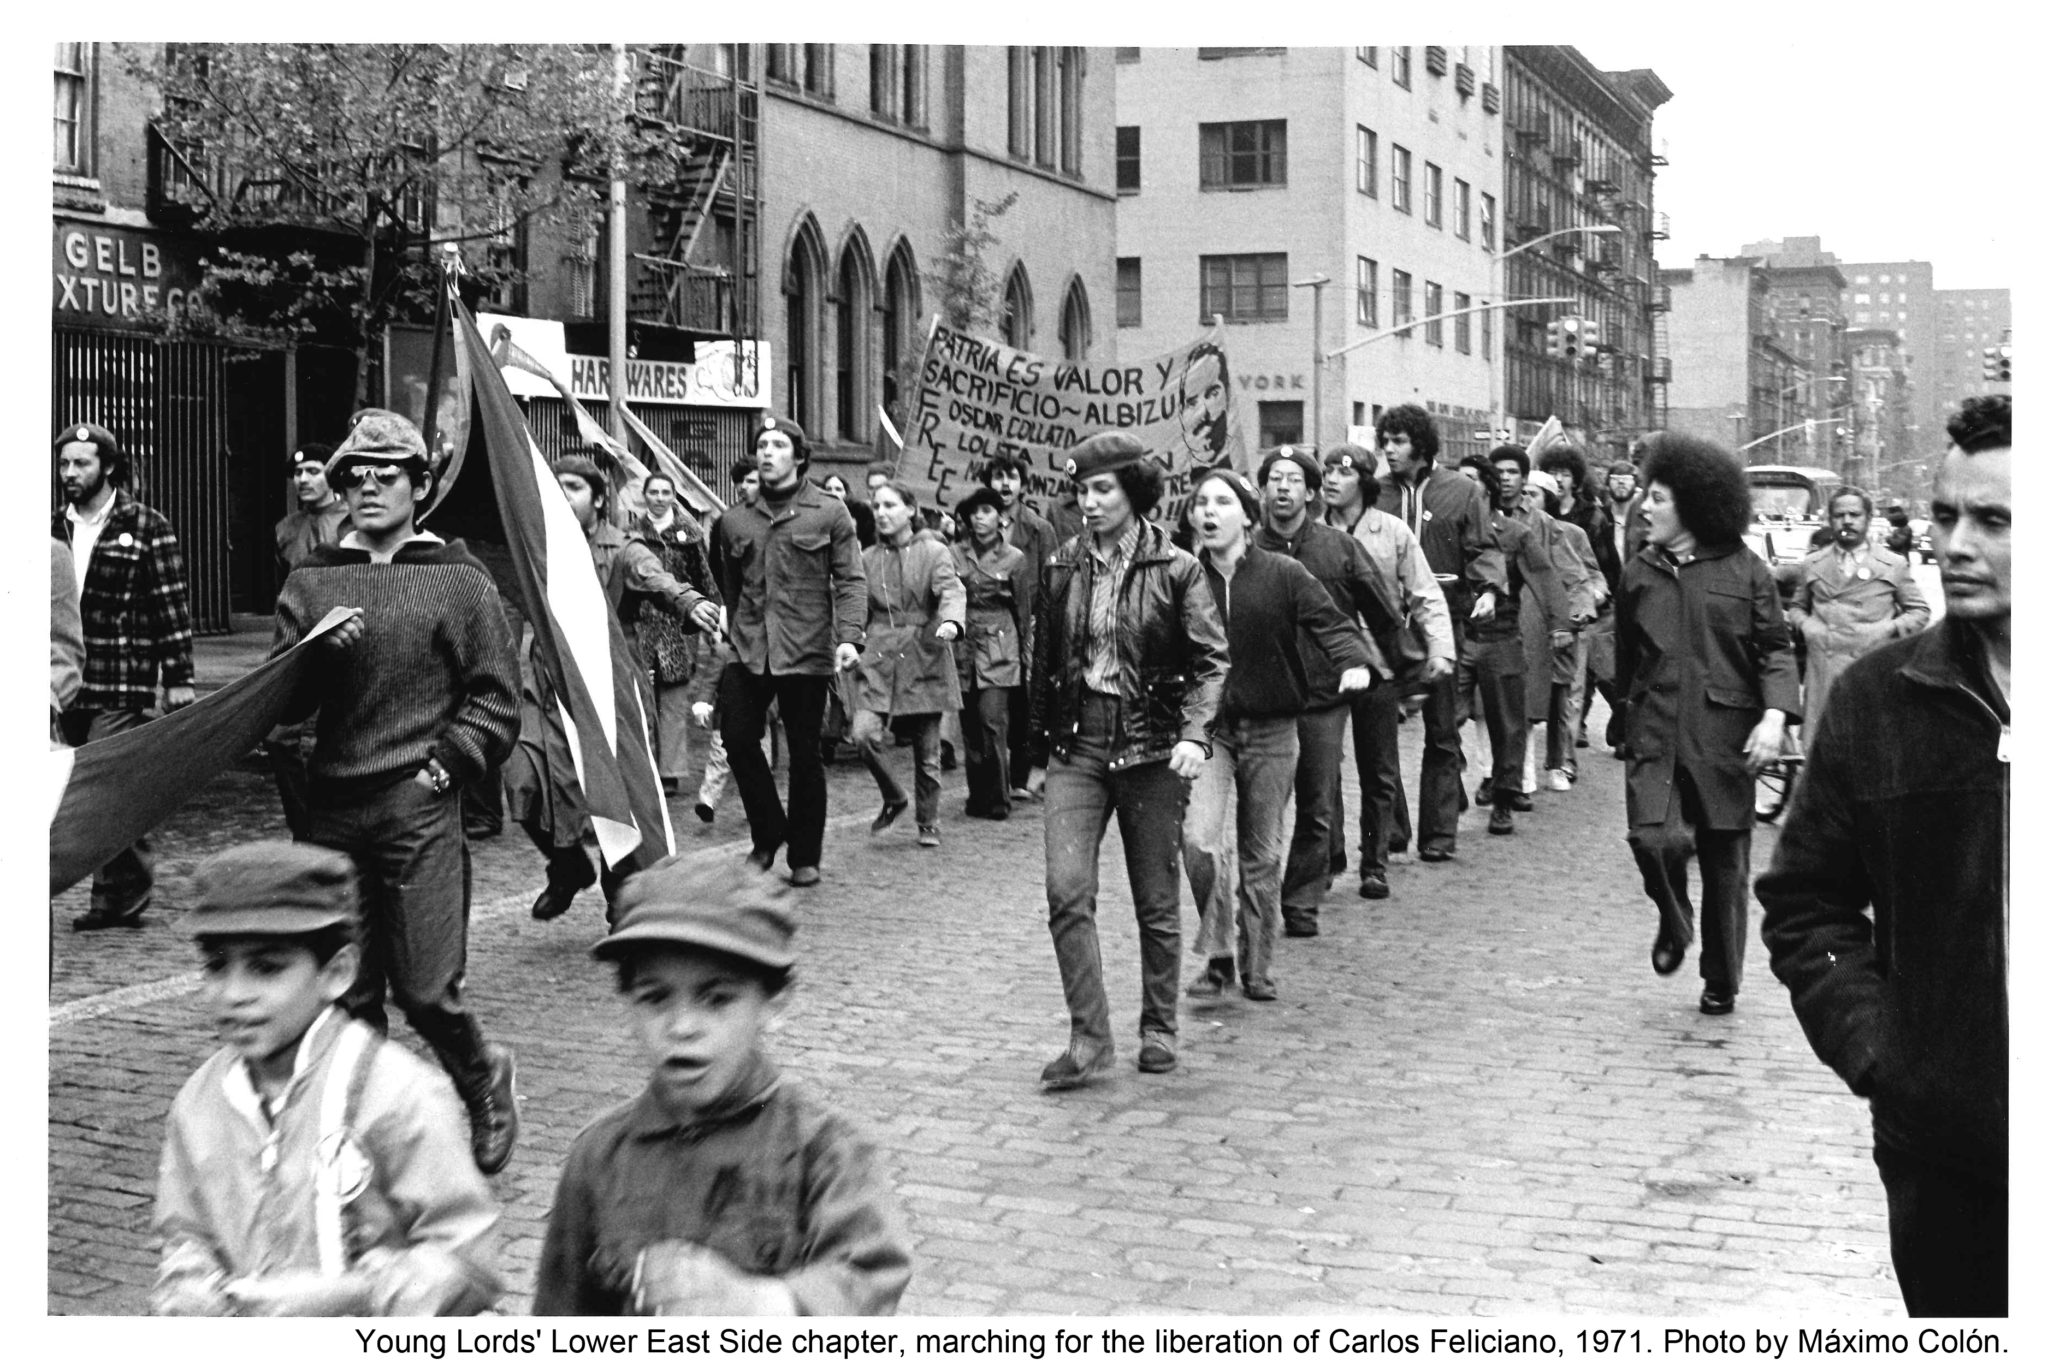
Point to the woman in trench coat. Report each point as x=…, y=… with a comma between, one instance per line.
x=916, y=610
x=1705, y=660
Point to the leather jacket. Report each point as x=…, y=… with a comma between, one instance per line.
x=1172, y=649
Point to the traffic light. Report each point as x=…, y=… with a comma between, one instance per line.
x=1589, y=334
x=1568, y=332
x=1991, y=365
x=1554, y=337
x=2005, y=363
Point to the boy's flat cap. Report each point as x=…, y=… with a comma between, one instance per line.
x=732, y=908
x=380, y=437
x=272, y=887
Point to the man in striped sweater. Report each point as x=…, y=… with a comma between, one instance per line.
x=422, y=696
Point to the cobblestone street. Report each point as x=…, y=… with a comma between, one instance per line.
x=1472, y=1098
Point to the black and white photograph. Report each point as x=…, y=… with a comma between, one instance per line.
x=1278, y=700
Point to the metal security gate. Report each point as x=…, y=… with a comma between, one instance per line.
x=708, y=440
x=167, y=403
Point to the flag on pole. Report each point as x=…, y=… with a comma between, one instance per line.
x=115, y=790
x=600, y=691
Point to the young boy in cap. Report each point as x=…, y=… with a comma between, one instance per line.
x=721, y=1188
x=308, y=1166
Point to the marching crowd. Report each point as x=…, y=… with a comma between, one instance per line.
x=1192, y=676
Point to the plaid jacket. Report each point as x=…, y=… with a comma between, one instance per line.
x=138, y=630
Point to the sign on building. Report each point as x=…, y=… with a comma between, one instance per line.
x=117, y=277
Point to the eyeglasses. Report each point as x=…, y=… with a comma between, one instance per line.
x=354, y=476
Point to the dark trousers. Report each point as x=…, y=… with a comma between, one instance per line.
x=1662, y=852
x=985, y=729
x=873, y=734
x=1443, y=757
x=1948, y=1237
x=125, y=880
x=1318, y=772
x=286, y=749
x=1150, y=802
x=743, y=699
x=412, y=870
x=1494, y=674
x=1020, y=734
x=1383, y=801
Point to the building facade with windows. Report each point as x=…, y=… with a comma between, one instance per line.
x=1580, y=224
x=1243, y=172
x=870, y=154
x=1734, y=379
x=1967, y=321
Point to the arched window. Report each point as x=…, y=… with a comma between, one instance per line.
x=856, y=385
x=1076, y=327
x=803, y=287
x=901, y=310
x=1017, y=309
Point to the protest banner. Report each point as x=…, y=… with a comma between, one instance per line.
x=977, y=399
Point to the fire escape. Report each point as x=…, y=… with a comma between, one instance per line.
x=703, y=274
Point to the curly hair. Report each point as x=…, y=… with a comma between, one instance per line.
x=1568, y=463
x=1144, y=483
x=1489, y=477
x=1708, y=487
x=1510, y=452
x=1415, y=421
x=1983, y=423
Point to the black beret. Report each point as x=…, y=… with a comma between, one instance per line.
x=1103, y=452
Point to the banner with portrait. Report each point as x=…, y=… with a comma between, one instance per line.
x=976, y=399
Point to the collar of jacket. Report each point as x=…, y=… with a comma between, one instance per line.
x=652, y=1120
x=1661, y=558
x=1265, y=538
x=807, y=495
x=1949, y=655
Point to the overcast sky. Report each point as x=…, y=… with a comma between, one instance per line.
x=1891, y=146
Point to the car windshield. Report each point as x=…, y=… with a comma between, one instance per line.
x=1781, y=500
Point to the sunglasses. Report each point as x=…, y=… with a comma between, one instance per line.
x=354, y=476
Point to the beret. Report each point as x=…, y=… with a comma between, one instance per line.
x=1104, y=452
x=102, y=439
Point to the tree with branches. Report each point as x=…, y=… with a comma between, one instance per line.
x=334, y=174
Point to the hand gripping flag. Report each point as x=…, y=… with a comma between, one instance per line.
x=600, y=691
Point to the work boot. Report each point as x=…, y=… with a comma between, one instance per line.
x=1298, y=922
x=493, y=1109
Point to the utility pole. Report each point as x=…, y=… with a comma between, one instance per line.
x=615, y=386
x=1316, y=283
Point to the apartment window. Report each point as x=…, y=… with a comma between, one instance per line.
x=1432, y=305
x=1404, y=300
x=882, y=79
x=1403, y=71
x=1045, y=107
x=72, y=152
x=1130, y=292
x=1862, y=298
x=1461, y=208
x=1280, y=422
x=1238, y=156
x=1368, y=292
x=1016, y=322
x=808, y=66
x=1486, y=221
x=1250, y=288
x=1077, y=327
x=914, y=88
x=1432, y=194
x=1863, y=279
x=1368, y=162
x=1403, y=173
x=1461, y=326
x=1127, y=160
x=1369, y=55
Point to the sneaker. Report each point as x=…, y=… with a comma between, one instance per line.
x=890, y=811
x=494, y=1111
x=1022, y=794
x=1155, y=1052
x=1210, y=984
x=1560, y=781
x=1501, y=822
x=928, y=836
x=1067, y=1071
x=1373, y=886
x=806, y=876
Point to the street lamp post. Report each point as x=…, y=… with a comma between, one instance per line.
x=1493, y=283
x=1316, y=282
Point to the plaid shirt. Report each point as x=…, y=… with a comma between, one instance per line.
x=138, y=631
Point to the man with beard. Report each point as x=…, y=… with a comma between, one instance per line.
x=1853, y=596
x=1205, y=405
x=138, y=632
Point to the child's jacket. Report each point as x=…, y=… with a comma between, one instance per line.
x=772, y=1181
x=236, y=1190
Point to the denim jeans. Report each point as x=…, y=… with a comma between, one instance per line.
x=1662, y=852
x=985, y=734
x=412, y=868
x=1149, y=801
x=1443, y=757
x=1254, y=761
x=1318, y=773
x=871, y=736
x=1494, y=671
x=1382, y=800
x=743, y=699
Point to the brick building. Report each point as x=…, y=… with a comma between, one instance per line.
x=1966, y=321
x=1244, y=171
x=1578, y=155
x=1733, y=378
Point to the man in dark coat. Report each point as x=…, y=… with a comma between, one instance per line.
x=1886, y=909
x=1705, y=660
x=1448, y=515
